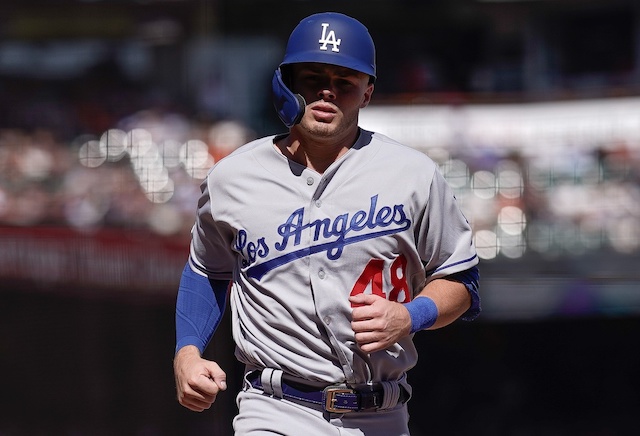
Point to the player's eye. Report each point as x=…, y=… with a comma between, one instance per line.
x=345, y=83
x=309, y=79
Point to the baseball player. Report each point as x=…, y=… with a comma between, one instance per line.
x=333, y=246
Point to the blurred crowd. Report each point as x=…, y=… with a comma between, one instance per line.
x=554, y=204
x=145, y=171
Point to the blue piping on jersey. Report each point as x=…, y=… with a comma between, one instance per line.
x=450, y=265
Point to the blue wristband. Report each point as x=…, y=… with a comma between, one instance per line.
x=423, y=312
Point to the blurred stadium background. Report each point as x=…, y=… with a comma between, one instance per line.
x=111, y=111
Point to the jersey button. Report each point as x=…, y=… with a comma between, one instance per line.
x=309, y=181
x=327, y=320
x=318, y=203
x=322, y=274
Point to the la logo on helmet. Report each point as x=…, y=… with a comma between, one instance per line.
x=329, y=39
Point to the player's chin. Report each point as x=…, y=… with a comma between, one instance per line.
x=320, y=129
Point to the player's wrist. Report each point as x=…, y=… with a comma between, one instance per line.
x=187, y=348
x=423, y=313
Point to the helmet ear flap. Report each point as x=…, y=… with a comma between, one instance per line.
x=289, y=106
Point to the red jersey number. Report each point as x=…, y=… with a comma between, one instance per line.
x=372, y=277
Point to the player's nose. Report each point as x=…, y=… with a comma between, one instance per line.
x=326, y=94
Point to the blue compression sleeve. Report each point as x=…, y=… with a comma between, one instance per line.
x=471, y=280
x=199, y=308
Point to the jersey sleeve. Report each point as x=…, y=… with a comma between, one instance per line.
x=445, y=238
x=210, y=251
x=203, y=286
x=446, y=242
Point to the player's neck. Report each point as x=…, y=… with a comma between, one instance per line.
x=315, y=153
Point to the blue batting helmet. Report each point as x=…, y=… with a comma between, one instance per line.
x=329, y=38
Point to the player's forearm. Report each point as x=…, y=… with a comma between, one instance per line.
x=451, y=298
x=199, y=309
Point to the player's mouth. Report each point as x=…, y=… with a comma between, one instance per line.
x=323, y=112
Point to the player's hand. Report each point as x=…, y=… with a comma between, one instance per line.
x=198, y=380
x=377, y=322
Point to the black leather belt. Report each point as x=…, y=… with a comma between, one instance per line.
x=334, y=399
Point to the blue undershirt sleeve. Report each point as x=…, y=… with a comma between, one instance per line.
x=199, y=308
x=471, y=280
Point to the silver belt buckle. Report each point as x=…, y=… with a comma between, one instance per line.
x=330, y=399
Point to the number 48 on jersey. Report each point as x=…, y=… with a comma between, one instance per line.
x=371, y=278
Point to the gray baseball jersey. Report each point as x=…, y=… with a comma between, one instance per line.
x=296, y=244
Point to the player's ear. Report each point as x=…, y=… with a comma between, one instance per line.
x=366, y=98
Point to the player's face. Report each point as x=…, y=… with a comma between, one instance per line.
x=334, y=96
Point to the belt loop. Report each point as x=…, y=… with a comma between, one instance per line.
x=265, y=380
x=276, y=383
x=391, y=394
x=271, y=380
